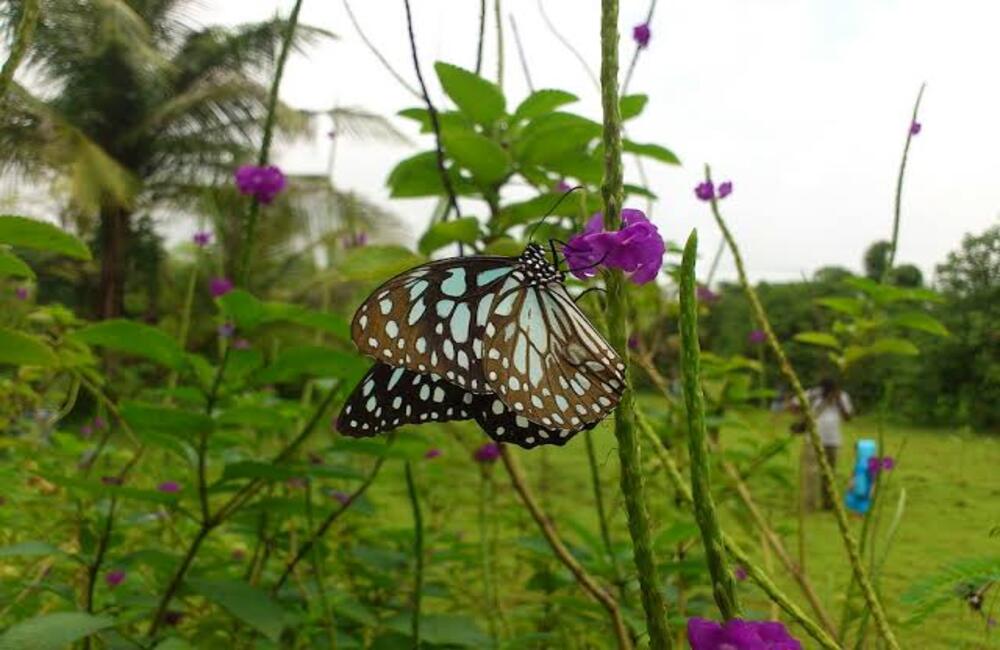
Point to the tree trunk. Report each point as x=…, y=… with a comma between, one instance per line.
x=114, y=247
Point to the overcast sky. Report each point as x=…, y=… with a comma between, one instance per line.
x=804, y=105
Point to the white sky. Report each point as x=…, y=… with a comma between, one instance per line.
x=803, y=104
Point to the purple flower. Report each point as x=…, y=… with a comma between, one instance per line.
x=705, y=191
x=170, y=487
x=488, y=453
x=263, y=183
x=740, y=572
x=219, y=287
x=432, y=453
x=356, y=240
x=226, y=330
x=202, y=239
x=633, y=342
x=705, y=294
x=115, y=577
x=884, y=464
x=915, y=127
x=21, y=293
x=739, y=635
x=636, y=249
x=86, y=431
x=725, y=189
x=641, y=34
x=241, y=344
x=756, y=337
x=561, y=187
x=888, y=462
x=111, y=480
x=99, y=422
x=343, y=498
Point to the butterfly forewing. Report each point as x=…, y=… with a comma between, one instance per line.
x=389, y=397
x=545, y=359
x=431, y=319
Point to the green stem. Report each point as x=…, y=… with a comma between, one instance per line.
x=499, y=25
x=723, y=586
x=899, y=189
x=602, y=516
x=265, y=145
x=850, y=544
x=30, y=12
x=484, y=554
x=182, y=333
x=482, y=34
x=633, y=490
x=418, y=555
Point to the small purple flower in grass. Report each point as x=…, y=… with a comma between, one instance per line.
x=226, y=330
x=487, y=454
x=888, y=463
x=637, y=249
x=633, y=342
x=561, y=187
x=99, y=422
x=432, y=453
x=114, y=577
x=641, y=34
x=343, y=498
x=241, y=344
x=111, y=480
x=170, y=487
x=86, y=431
x=202, y=239
x=915, y=127
x=705, y=191
x=219, y=287
x=737, y=634
x=756, y=337
x=740, y=572
x=21, y=293
x=705, y=294
x=725, y=189
x=263, y=183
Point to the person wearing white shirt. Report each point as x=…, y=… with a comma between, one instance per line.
x=832, y=406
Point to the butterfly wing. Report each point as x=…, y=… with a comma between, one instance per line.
x=388, y=397
x=545, y=359
x=431, y=319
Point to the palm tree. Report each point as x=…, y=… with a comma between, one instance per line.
x=131, y=105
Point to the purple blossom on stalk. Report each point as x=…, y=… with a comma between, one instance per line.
x=99, y=422
x=888, y=463
x=738, y=634
x=641, y=34
x=226, y=330
x=633, y=342
x=86, y=431
x=487, y=454
x=219, y=287
x=432, y=453
x=114, y=577
x=756, y=337
x=725, y=189
x=21, y=293
x=705, y=191
x=740, y=572
x=883, y=464
x=241, y=344
x=170, y=487
x=705, y=294
x=637, y=249
x=263, y=183
x=561, y=187
x=915, y=127
x=343, y=498
x=202, y=239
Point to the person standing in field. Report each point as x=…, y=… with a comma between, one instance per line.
x=832, y=406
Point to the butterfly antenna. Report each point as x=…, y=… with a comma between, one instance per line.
x=531, y=233
x=586, y=291
x=587, y=268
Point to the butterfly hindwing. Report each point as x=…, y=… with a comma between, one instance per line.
x=503, y=425
x=431, y=319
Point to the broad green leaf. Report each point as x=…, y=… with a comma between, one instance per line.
x=818, y=338
x=162, y=419
x=52, y=631
x=505, y=246
x=633, y=105
x=318, y=320
x=918, y=320
x=416, y=176
x=13, y=266
x=243, y=309
x=253, y=417
x=377, y=262
x=445, y=119
x=29, y=549
x=444, y=629
x=541, y=102
x=313, y=361
x=533, y=209
x=249, y=604
x=849, y=306
x=486, y=159
x=20, y=349
x=476, y=97
x=895, y=346
x=638, y=190
x=653, y=151
x=465, y=230
x=39, y=235
x=554, y=136
x=132, y=338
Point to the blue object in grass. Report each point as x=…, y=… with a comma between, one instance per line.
x=859, y=494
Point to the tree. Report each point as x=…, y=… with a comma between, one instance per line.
x=876, y=259
x=906, y=275
x=134, y=107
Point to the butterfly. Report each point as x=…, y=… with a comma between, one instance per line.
x=495, y=339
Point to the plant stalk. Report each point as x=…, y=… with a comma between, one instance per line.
x=418, y=555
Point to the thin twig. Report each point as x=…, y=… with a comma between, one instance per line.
x=378, y=55
x=520, y=53
x=418, y=555
x=482, y=35
x=638, y=49
x=899, y=188
x=498, y=19
x=569, y=46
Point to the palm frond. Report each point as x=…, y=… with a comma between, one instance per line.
x=365, y=125
x=950, y=584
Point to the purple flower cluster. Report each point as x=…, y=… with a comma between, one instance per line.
x=915, y=127
x=114, y=577
x=636, y=249
x=96, y=424
x=706, y=190
x=883, y=464
x=487, y=454
x=756, y=337
x=202, y=239
x=343, y=498
x=262, y=183
x=169, y=487
x=561, y=187
x=21, y=293
x=219, y=287
x=226, y=330
x=737, y=634
x=641, y=34
x=432, y=453
x=705, y=294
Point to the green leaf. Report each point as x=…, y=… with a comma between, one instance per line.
x=242, y=308
x=52, y=631
x=653, y=151
x=39, y=235
x=534, y=209
x=377, y=262
x=318, y=320
x=132, y=338
x=849, y=306
x=506, y=246
x=416, y=176
x=13, y=266
x=313, y=361
x=174, y=643
x=486, y=159
x=444, y=630
x=541, y=102
x=29, y=549
x=894, y=346
x=818, y=338
x=250, y=605
x=633, y=105
x=20, y=349
x=253, y=417
x=162, y=419
x=554, y=136
x=465, y=230
x=476, y=97
x=918, y=320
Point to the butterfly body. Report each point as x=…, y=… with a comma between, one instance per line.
x=495, y=339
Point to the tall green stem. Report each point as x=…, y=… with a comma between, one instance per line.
x=602, y=516
x=418, y=555
x=899, y=188
x=723, y=586
x=632, y=486
x=265, y=145
x=850, y=544
x=485, y=557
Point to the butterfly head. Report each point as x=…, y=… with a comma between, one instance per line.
x=537, y=268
